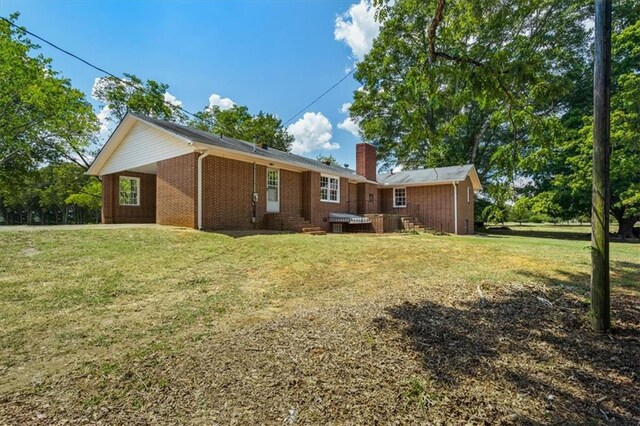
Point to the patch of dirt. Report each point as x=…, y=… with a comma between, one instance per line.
x=30, y=252
x=518, y=355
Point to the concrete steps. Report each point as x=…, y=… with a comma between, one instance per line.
x=289, y=222
x=410, y=223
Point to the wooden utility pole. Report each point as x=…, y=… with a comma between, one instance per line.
x=600, y=292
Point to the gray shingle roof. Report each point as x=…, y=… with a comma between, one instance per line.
x=430, y=175
x=201, y=136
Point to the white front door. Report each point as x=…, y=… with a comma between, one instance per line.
x=273, y=191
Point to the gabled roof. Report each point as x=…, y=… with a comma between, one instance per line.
x=204, y=139
x=431, y=176
x=199, y=139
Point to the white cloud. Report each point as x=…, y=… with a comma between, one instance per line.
x=348, y=124
x=98, y=83
x=103, y=118
x=169, y=98
x=220, y=102
x=358, y=28
x=312, y=132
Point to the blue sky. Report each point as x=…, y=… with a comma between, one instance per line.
x=275, y=56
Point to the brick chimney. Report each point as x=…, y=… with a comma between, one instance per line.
x=366, y=161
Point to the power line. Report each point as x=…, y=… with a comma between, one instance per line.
x=318, y=98
x=128, y=83
x=102, y=70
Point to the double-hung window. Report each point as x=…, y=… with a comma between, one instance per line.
x=399, y=197
x=129, y=191
x=329, y=189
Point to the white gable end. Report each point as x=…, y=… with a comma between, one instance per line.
x=143, y=145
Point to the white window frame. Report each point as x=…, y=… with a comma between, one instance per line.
x=468, y=194
x=397, y=206
x=328, y=199
x=137, y=179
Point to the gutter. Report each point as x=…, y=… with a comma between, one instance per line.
x=200, y=158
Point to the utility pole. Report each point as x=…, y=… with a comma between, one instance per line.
x=600, y=288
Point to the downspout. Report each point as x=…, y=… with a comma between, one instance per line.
x=455, y=208
x=254, y=195
x=200, y=158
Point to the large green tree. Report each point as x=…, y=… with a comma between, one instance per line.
x=237, y=122
x=42, y=117
x=625, y=140
x=483, y=82
x=132, y=94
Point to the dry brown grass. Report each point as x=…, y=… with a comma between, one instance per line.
x=346, y=329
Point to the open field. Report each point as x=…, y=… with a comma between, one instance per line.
x=176, y=326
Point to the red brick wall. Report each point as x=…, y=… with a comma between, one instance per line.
x=367, y=198
x=113, y=212
x=366, y=161
x=177, y=187
x=353, y=198
x=316, y=211
x=290, y=192
x=435, y=205
x=227, y=192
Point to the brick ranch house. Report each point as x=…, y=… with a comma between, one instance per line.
x=154, y=171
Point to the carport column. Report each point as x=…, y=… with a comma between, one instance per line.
x=200, y=158
x=455, y=208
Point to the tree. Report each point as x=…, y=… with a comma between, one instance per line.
x=238, y=123
x=498, y=210
x=546, y=205
x=521, y=210
x=483, y=82
x=577, y=153
x=132, y=94
x=328, y=159
x=42, y=118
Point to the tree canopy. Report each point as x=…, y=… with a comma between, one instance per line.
x=237, y=122
x=42, y=117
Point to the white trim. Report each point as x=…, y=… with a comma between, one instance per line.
x=455, y=208
x=278, y=191
x=396, y=206
x=137, y=179
x=200, y=196
x=338, y=192
x=116, y=138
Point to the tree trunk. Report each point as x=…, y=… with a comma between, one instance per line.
x=600, y=291
x=65, y=212
x=625, y=227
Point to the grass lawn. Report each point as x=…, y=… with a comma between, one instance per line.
x=176, y=326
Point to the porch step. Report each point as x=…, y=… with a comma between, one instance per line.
x=286, y=222
x=311, y=229
x=412, y=224
x=316, y=233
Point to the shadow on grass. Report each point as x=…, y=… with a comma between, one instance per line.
x=534, y=344
x=580, y=234
x=623, y=274
x=557, y=235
